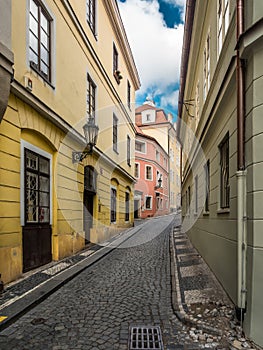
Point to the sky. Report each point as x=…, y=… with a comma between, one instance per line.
x=155, y=32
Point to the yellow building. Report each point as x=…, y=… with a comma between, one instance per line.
x=221, y=130
x=72, y=62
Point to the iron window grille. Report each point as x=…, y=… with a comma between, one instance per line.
x=224, y=173
x=40, y=39
x=37, y=188
x=91, y=14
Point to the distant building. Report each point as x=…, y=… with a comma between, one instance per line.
x=221, y=130
x=51, y=203
x=154, y=122
x=151, y=171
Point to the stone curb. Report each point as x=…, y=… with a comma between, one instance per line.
x=177, y=304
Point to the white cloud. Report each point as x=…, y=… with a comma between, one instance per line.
x=180, y=3
x=156, y=48
x=170, y=99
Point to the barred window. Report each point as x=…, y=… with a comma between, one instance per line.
x=40, y=39
x=224, y=173
x=37, y=188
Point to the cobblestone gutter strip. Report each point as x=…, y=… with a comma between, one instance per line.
x=176, y=296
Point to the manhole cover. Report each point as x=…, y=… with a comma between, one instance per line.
x=145, y=338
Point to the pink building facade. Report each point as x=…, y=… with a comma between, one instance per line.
x=151, y=171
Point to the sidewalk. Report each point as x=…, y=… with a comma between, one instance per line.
x=200, y=302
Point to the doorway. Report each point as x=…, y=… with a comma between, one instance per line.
x=90, y=189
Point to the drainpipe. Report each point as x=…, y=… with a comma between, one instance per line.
x=241, y=173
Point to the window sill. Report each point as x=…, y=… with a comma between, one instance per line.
x=41, y=76
x=223, y=211
x=115, y=151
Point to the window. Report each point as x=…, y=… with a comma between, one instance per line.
x=148, y=202
x=157, y=177
x=148, y=117
x=115, y=133
x=196, y=194
x=128, y=150
x=140, y=146
x=207, y=66
x=137, y=170
x=113, y=204
x=127, y=206
x=224, y=173
x=116, y=72
x=207, y=185
x=40, y=39
x=129, y=94
x=157, y=155
x=91, y=97
x=223, y=15
x=197, y=102
x=90, y=179
x=37, y=188
x=149, y=175
x=91, y=14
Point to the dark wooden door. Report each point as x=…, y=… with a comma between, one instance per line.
x=36, y=246
x=136, y=209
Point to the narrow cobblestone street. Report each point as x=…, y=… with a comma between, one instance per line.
x=130, y=286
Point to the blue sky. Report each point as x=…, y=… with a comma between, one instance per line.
x=155, y=32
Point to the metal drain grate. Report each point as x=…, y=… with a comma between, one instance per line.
x=145, y=338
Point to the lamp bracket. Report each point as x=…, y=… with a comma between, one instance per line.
x=78, y=157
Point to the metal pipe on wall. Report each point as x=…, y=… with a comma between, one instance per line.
x=241, y=172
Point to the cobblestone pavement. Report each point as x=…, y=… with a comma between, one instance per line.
x=131, y=286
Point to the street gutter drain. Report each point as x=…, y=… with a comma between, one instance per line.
x=145, y=338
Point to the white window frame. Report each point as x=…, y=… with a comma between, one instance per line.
x=151, y=197
x=150, y=166
x=52, y=82
x=24, y=144
x=142, y=143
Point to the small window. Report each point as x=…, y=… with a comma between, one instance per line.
x=127, y=206
x=91, y=97
x=224, y=173
x=40, y=39
x=196, y=194
x=113, y=204
x=148, y=202
x=116, y=72
x=137, y=170
x=157, y=155
x=140, y=146
x=129, y=94
x=148, y=117
x=128, y=150
x=115, y=133
x=91, y=14
x=149, y=175
x=207, y=185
